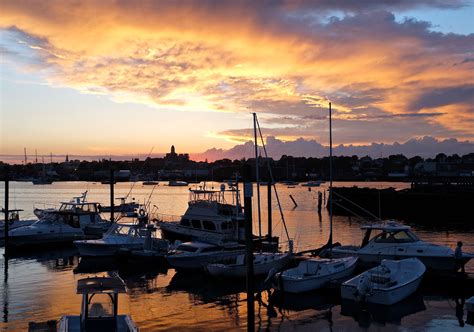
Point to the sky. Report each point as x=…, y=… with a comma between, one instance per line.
x=125, y=77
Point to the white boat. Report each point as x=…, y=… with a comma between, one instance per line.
x=209, y=218
x=395, y=241
x=14, y=221
x=73, y=221
x=314, y=273
x=263, y=263
x=99, y=309
x=197, y=255
x=118, y=238
x=177, y=183
x=388, y=283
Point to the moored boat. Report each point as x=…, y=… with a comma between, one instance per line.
x=388, y=283
x=396, y=241
x=197, y=255
x=314, y=273
x=14, y=221
x=263, y=264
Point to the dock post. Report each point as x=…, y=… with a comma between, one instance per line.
x=269, y=202
x=249, y=248
x=112, y=207
x=320, y=201
x=5, y=210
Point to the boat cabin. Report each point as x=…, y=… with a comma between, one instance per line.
x=390, y=232
x=79, y=207
x=13, y=215
x=99, y=307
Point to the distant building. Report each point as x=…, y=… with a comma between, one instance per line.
x=173, y=157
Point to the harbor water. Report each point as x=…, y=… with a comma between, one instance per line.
x=40, y=285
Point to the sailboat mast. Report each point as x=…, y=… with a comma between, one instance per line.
x=330, y=177
x=257, y=175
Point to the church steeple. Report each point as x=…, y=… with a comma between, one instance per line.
x=172, y=150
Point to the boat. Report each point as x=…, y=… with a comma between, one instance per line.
x=177, y=183
x=313, y=274
x=122, y=207
x=263, y=264
x=41, y=212
x=197, y=255
x=208, y=218
x=42, y=181
x=150, y=183
x=72, y=221
x=396, y=241
x=99, y=309
x=389, y=283
x=312, y=184
x=14, y=221
x=121, y=237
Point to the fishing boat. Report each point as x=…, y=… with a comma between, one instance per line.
x=396, y=241
x=263, y=264
x=121, y=237
x=72, y=221
x=313, y=274
x=14, y=221
x=99, y=309
x=208, y=218
x=41, y=212
x=122, y=207
x=388, y=283
x=197, y=255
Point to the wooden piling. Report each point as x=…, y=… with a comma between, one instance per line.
x=294, y=202
x=269, y=202
x=7, y=193
x=112, y=206
x=249, y=248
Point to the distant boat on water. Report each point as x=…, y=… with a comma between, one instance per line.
x=177, y=183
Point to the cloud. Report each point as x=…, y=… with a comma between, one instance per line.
x=282, y=59
x=425, y=147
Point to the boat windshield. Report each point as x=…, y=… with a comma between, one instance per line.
x=401, y=236
x=78, y=208
x=122, y=230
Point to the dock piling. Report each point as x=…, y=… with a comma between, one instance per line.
x=112, y=207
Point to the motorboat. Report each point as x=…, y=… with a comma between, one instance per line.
x=208, y=218
x=396, y=241
x=72, y=221
x=99, y=309
x=177, y=183
x=312, y=184
x=314, y=273
x=197, y=255
x=150, y=183
x=389, y=283
x=263, y=264
x=122, y=207
x=14, y=221
x=121, y=237
x=41, y=212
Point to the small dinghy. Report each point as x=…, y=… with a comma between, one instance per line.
x=388, y=283
x=263, y=263
x=314, y=274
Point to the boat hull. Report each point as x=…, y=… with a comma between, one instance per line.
x=200, y=262
x=96, y=249
x=314, y=282
x=44, y=239
x=240, y=271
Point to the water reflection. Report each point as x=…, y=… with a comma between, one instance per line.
x=367, y=313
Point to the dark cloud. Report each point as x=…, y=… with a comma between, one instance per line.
x=445, y=96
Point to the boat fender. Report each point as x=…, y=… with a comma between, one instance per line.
x=141, y=212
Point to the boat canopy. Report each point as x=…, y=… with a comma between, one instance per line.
x=100, y=285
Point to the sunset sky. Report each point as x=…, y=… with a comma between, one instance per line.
x=119, y=77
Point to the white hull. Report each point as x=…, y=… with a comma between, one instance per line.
x=96, y=249
x=304, y=282
x=240, y=270
x=14, y=225
x=400, y=284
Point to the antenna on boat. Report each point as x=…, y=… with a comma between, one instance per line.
x=257, y=175
x=330, y=180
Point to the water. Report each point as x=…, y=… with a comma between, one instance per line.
x=41, y=286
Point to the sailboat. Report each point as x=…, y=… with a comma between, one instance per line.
x=315, y=273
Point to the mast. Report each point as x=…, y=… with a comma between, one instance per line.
x=36, y=156
x=330, y=179
x=26, y=159
x=257, y=175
